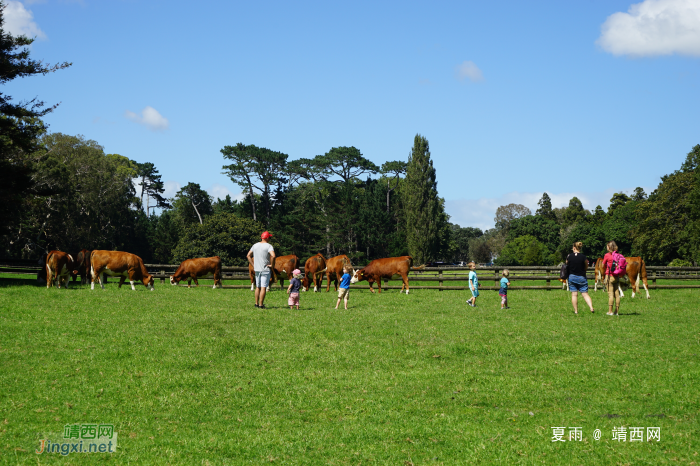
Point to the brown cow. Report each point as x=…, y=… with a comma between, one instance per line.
x=599, y=273
x=192, y=269
x=280, y=265
x=636, y=270
x=59, y=266
x=313, y=265
x=386, y=269
x=82, y=266
x=334, y=270
x=118, y=264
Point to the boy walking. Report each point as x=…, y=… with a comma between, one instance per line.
x=473, y=284
x=503, y=292
x=344, y=289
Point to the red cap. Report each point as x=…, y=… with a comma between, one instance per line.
x=266, y=234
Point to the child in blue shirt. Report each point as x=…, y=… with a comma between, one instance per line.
x=344, y=288
x=473, y=285
x=503, y=292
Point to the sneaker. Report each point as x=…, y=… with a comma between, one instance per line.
x=506, y=307
x=257, y=305
x=262, y=306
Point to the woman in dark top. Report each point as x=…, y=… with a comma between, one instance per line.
x=578, y=283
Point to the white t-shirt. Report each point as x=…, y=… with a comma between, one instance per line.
x=261, y=256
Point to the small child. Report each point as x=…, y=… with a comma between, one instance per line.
x=344, y=289
x=293, y=290
x=503, y=292
x=473, y=285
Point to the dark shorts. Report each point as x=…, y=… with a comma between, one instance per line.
x=503, y=291
x=578, y=283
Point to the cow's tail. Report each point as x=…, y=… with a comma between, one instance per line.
x=320, y=272
x=49, y=275
x=92, y=268
x=421, y=267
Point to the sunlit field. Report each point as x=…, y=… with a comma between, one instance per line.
x=200, y=376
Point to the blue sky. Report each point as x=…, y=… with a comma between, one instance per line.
x=574, y=98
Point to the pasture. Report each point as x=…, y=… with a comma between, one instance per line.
x=200, y=376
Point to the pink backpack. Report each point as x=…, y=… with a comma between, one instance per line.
x=619, y=265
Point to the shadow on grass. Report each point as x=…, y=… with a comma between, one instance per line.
x=9, y=282
x=630, y=313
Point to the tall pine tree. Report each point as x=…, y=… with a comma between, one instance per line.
x=545, y=208
x=422, y=206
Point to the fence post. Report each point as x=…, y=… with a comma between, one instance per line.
x=440, y=279
x=547, y=274
x=653, y=279
x=162, y=280
x=496, y=280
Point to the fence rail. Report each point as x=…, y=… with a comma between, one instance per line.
x=547, y=274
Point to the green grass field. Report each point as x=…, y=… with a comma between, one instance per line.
x=200, y=376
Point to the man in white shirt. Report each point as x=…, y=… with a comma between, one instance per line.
x=261, y=256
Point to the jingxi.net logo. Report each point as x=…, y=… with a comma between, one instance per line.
x=81, y=438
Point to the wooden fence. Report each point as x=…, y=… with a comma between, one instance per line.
x=441, y=277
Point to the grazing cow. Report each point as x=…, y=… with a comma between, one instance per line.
x=118, y=264
x=59, y=266
x=599, y=273
x=386, y=269
x=313, y=265
x=82, y=266
x=636, y=270
x=192, y=269
x=334, y=270
x=280, y=265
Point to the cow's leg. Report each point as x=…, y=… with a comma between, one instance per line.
x=379, y=285
x=189, y=282
x=645, y=286
x=196, y=283
x=48, y=277
x=404, y=278
x=92, y=278
x=121, y=281
x=102, y=280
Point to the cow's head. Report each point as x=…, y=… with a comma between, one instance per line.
x=148, y=281
x=173, y=280
x=359, y=275
x=305, y=283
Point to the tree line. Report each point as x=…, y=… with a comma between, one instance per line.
x=64, y=192
x=663, y=228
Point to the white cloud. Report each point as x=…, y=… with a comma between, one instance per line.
x=653, y=27
x=480, y=212
x=468, y=70
x=171, y=188
x=150, y=118
x=20, y=21
x=219, y=191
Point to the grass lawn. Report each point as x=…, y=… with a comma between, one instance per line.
x=200, y=376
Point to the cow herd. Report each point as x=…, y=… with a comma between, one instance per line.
x=93, y=266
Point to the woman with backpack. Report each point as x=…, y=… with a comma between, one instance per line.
x=614, y=265
x=577, y=263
